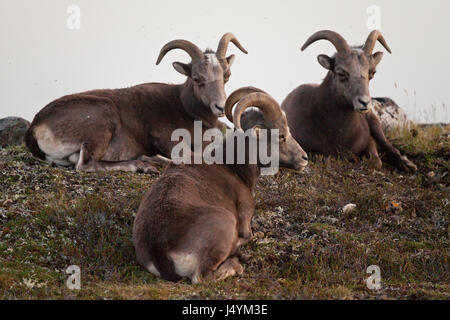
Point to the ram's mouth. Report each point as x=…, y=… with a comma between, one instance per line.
x=297, y=171
x=364, y=111
x=361, y=107
x=218, y=111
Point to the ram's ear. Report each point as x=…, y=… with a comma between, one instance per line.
x=326, y=62
x=182, y=68
x=377, y=56
x=230, y=60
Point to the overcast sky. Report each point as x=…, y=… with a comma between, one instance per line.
x=117, y=45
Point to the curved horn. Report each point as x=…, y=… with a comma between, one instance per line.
x=235, y=97
x=223, y=45
x=335, y=38
x=270, y=108
x=372, y=40
x=185, y=45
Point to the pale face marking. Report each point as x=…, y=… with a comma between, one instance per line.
x=211, y=58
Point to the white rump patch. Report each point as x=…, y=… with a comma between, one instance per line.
x=56, y=151
x=186, y=264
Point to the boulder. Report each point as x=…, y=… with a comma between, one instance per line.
x=390, y=114
x=12, y=131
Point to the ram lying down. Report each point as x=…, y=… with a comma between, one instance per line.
x=193, y=220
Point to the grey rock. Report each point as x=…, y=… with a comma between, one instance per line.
x=12, y=131
x=390, y=114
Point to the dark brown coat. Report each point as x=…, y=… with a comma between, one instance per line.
x=335, y=117
x=119, y=129
x=194, y=218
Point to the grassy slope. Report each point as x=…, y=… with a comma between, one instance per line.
x=51, y=218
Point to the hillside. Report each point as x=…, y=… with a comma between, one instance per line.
x=51, y=218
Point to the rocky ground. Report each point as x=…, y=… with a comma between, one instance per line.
x=51, y=218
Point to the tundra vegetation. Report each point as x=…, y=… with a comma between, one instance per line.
x=51, y=218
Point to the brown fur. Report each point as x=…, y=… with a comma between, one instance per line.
x=32, y=145
x=204, y=211
x=335, y=118
x=114, y=129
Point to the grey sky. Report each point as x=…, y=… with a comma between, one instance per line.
x=119, y=41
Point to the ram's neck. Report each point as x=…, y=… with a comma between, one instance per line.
x=248, y=173
x=195, y=108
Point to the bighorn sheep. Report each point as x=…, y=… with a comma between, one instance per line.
x=194, y=218
x=336, y=117
x=121, y=129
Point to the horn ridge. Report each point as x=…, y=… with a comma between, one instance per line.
x=268, y=105
x=194, y=52
x=224, y=42
x=335, y=38
x=235, y=97
x=372, y=39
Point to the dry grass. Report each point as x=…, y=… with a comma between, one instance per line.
x=51, y=218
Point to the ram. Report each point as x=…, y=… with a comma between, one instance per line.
x=335, y=117
x=194, y=218
x=122, y=129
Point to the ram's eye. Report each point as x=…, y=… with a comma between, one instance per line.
x=372, y=74
x=342, y=76
x=199, y=81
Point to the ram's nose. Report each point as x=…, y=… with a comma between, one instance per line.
x=217, y=109
x=305, y=159
x=362, y=104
